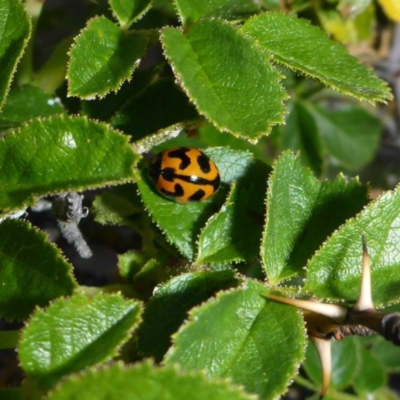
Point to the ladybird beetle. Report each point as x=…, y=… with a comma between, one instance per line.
x=184, y=174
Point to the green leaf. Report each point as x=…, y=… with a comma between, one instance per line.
x=298, y=45
x=111, y=209
x=191, y=11
x=300, y=133
x=75, y=333
x=182, y=223
x=145, y=382
x=387, y=354
x=169, y=306
x=102, y=57
x=135, y=267
x=241, y=335
x=229, y=80
x=335, y=270
x=301, y=213
x=211, y=136
x=25, y=103
x=32, y=271
x=52, y=155
x=163, y=104
x=15, y=29
x=370, y=374
x=128, y=11
x=351, y=135
x=104, y=109
x=344, y=359
x=234, y=233
x=52, y=74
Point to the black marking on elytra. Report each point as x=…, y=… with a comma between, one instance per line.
x=168, y=174
x=155, y=167
x=177, y=193
x=198, y=180
x=181, y=154
x=204, y=163
x=198, y=195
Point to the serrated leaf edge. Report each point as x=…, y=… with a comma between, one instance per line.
x=339, y=177
x=163, y=135
x=371, y=204
x=164, y=233
x=191, y=318
x=57, y=253
x=26, y=124
x=102, y=94
x=18, y=59
x=221, y=128
x=195, y=310
x=125, y=25
x=228, y=203
x=383, y=98
x=63, y=299
x=266, y=220
x=200, y=375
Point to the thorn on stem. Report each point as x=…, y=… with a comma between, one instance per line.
x=325, y=321
x=323, y=347
x=364, y=301
x=335, y=312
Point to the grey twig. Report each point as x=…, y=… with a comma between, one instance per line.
x=68, y=210
x=73, y=235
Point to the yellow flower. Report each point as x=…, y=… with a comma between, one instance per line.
x=391, y=8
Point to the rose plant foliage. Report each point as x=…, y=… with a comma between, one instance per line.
x=190, y=316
